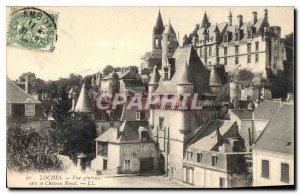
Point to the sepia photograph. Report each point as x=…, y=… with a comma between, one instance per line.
x=185, y=97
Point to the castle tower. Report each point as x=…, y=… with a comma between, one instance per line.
x=84, y=104
x=215, y=83
x=153, y=84
x=184, y=85
x=169, y=44
x=157, y=34
x=114, y=84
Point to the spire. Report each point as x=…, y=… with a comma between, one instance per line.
x=214, y=79
x=159, y=26
x=170, y=29
x=205, y=22
x=83, y=103
x=216, y=28
x=184, y=78
x=155, y=76
x=230, y=18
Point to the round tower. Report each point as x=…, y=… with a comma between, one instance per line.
x=114, y=84
x=215, y=83
x=153, y=84
x=169, y=44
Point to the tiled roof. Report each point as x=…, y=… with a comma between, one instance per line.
x=206, y=139
x=15, y=95
x=266, y=110
x=170, y=29
x=128, y=133
x=278, y=136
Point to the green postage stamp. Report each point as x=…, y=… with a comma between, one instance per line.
x=32, y=28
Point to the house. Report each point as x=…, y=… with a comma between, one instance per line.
x=215, y=157
x=273, y=152
x=127, y=149
x=24, y=110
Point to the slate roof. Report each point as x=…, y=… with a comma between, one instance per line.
x=83, y=103
x=266, y=110
x=205, y=21
x=278, y=136
x=214, y=79
x=243, y=114
x=15, y=95
x=211, y=34
x=206, y=139
x=198, y=74
x=154, y=76
x=159, y=26
x=130, y=114
x=128, y=133
x=170, y=29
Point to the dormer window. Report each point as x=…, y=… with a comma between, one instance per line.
x=156, y=41
x=248, y=34
x=225, y=38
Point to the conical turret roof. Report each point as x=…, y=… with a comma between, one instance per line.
x=154, y=76
x=83, y=103
x=205, y=21
x=214, y=79
x=170, y=29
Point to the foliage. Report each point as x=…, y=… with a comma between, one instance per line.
x=244, y=75
x=75, y=135
x=27, y=150
x=61, y=108
x=107, y=70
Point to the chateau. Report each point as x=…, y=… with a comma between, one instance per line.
x=254, y=45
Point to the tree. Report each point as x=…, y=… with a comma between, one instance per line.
x=107, y=70
x=29, y=74
x=75, y=135
x=61, y=108
x=245, y=75
x=27, y=150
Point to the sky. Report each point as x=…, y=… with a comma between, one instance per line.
x=89, y=38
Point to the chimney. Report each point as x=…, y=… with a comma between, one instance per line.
x=26, y=84
x=240, y=20
x=254, y=17
x=266, y=14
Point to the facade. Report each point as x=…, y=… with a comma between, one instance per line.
x=273, y=152
x=186, y=75
x=127, y=149
x=215, y=157
x=252, y=45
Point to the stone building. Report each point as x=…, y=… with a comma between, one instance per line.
x=164, y=44
x=215, y=157
x=127, y=149
x=185, y=74
x=273, y=152
x=252, y=45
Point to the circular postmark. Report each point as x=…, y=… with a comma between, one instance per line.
x=32, y=28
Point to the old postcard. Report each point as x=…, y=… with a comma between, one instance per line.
x=150, y=97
